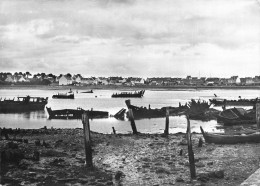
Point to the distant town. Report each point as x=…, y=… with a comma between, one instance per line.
x=20, y=78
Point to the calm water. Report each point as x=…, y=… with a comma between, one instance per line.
x=101, y=100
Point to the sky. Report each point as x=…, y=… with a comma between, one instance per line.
x=144, y=38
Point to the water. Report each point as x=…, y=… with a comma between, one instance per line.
x=101, y=100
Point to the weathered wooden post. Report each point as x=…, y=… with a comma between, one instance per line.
x=114, y=131
x=190, y=151
x=87, y=140
x=257, y=107
x=166, y=131
x=200, y=142
x=131, y=117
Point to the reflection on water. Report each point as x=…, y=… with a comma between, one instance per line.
x=101, y=100
x=34, y=115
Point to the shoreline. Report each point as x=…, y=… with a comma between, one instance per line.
x=129, y=88
x=122, y=159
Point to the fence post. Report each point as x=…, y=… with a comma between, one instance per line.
x=87, y=140
x=166, y=131
x=190, y=151
x=114, y=131
x=131, y=117
x=257, y=108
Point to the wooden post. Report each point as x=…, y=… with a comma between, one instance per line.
x=166, y=131
x=257, y=109
x=114, y=131
x=131, y=117
x=190, y=151
x=181, y=151
x=86, y=130
x=200, y=142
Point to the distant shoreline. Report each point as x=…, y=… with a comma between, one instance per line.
x=129, y=88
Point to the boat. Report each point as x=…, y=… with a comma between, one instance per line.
x=231, y=138
x=90, y=91
x=120, y=114
x=197, y=110
x=236, y=116
x=63, y=96
x=75, y=113
x=144, y=112
x=200, y=110
x=22, y=104
x=239, y=102
x=136, y=94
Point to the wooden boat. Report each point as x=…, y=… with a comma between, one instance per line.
x=22, y=104
x=236, y=116
x=239, y=102
x=136, y=94
x=196, y=110
x=143, y=112
x=63, y=96
x=200, y=110
x=90, y=91
x=230, y=139
x=120, y=114
x=75, y=113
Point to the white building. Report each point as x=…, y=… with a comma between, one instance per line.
x=10, y=79
x=65, y=80
x=77, y=79
x=137, y=81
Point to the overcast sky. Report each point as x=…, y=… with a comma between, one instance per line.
x=144, y=38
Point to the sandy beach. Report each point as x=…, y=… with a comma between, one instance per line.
x=56, y=157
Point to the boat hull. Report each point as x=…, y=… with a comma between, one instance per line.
x=235, y=116
x=75, y=113
x=63, y=96
x=18, y=107
x=230, y=139
x=26, y=104
x=138, y=94
x=234, y=102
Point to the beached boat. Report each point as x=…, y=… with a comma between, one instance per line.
x=22, y=104
x=229, y=138
x=69, y=95
x=136, y=94
x=236, y=116
x=75, y=113
x=239, y=102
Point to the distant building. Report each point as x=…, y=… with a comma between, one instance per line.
x=212, y=81
x=232, y=80
x=256, y=80
x=102, y=81
x=88, y=81
x=21, y=79
x=136, y=81
x=249, y=81
x=10, y=79
x=161, y=81
x=77, y=78
x=65, y=80
x=115, y=80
